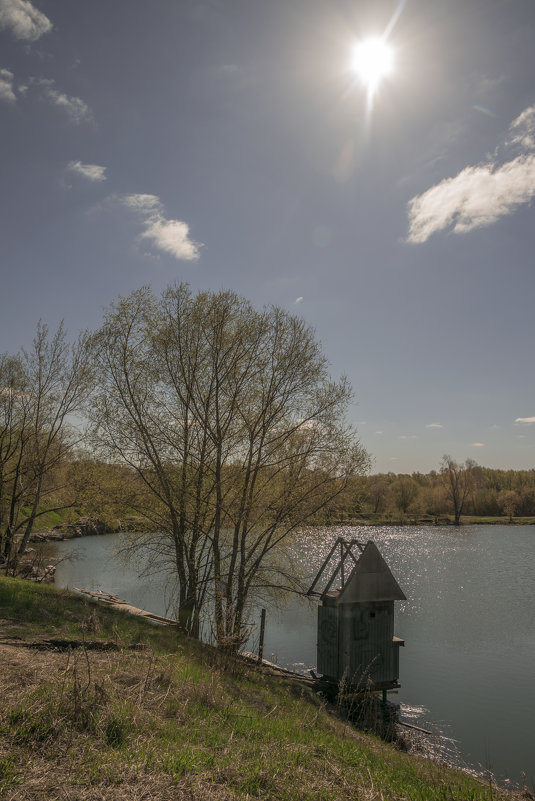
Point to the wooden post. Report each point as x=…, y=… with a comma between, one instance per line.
x=387, y=728
x=261, y=642
x=342, y=563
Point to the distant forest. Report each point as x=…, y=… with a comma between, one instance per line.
x=466, y=490
x=112, y=493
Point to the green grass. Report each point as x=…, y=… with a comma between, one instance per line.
x=179, y=720
x=52, y=518
x=35, y=611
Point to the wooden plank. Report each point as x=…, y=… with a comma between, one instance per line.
x=113, y=600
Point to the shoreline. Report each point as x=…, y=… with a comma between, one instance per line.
x=90, y=527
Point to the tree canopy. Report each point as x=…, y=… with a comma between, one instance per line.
x=230, y=419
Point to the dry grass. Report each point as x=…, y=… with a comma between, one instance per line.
x=91, y=726
x=64, y=740
x=183, y=721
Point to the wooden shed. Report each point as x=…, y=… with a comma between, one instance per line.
x=356, y=641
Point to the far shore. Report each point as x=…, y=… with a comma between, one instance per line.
x=91, y=526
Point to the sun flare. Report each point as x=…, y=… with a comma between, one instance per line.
x=372, y=60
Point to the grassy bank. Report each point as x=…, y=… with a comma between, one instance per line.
x=159, y=716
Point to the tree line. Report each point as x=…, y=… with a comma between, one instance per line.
x=454, y=490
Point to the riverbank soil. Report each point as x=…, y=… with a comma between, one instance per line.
x=96, y=704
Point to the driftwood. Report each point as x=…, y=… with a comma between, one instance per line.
x=113, y=600
x=65, y=645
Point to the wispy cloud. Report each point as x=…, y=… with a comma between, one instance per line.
x=76, y=109
x=522, y=130
x=479, y=195
x=23, y=20
x=92, y=172
x=525, y=420
x=299, y=299
x=434, y=425
x=6, y=86
x=408, y=436
x=478, y=444
x=145, y=204
x=169, y=236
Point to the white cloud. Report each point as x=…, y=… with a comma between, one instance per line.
x=478, y=444
x=172, y=236
x=434, y=425
x=23, y=19
x=379, y=432
x=480, y=195
x=407, y=436
x=169, y=236
x=299, y=299
x=145, y=204
x=523, y=130
x=74, y=106
x=6, y=86
x=525, y=420
x=93, y=172
x=475, y=198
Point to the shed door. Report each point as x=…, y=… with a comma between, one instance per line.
x=328, y=641
x=365, y=646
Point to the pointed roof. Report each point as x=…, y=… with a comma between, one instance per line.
x=370, y=580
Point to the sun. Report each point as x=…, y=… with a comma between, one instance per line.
x=372, y=59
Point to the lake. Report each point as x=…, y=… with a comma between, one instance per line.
x=468, y=666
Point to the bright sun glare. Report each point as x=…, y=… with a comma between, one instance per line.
x=372, y=59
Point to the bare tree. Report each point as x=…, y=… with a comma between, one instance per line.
x=509, y=501
x=230, y=419
x=45, y=386
x=405, y=492
x=148, y=423
x=458, y=482
x=377, y=493
x=14, y=435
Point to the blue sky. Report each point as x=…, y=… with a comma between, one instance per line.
x=228, y=143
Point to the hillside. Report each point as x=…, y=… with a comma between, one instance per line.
x=138, y=712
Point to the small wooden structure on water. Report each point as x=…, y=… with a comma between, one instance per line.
x=356, y=642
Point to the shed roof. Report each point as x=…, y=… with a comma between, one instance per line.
x=370, y=580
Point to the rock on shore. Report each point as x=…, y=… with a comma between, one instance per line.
x=84, y=527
